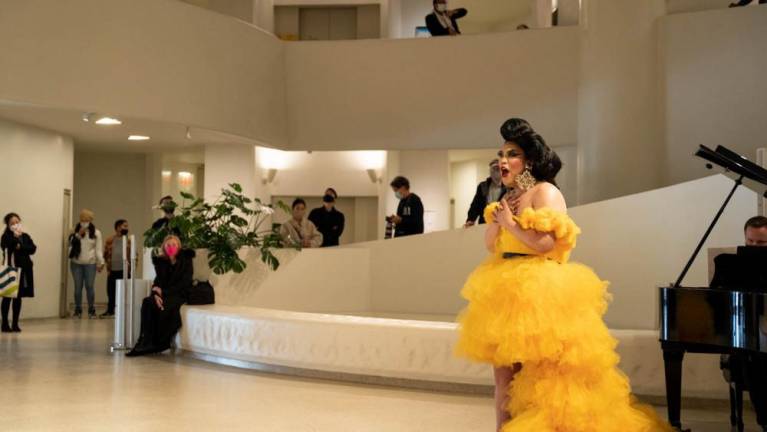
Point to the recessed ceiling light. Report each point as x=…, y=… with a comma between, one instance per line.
x=138, y=138
x=108, y=121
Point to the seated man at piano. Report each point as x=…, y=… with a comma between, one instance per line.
x=747, y=271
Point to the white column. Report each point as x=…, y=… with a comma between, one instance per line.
x=263, y=14
x=429, y=175
x=231, y=163
x=541, y=12
x=620, y=148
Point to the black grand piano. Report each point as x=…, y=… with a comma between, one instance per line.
x=730, y=320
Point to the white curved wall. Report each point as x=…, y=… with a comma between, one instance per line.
x=635, y=119
x=715, y=90
x=431, y=93
x=638, y=243
x=155, y=59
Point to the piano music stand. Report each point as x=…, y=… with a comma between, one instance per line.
x=731, y=162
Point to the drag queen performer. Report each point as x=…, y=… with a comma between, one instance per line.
x=537, y=318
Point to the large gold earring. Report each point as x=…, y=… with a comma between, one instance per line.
x=525, y=179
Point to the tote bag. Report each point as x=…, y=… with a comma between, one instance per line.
x=10, y=277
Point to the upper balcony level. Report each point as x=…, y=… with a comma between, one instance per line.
x=306, y=20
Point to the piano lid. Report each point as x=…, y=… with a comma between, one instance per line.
x=754, y=176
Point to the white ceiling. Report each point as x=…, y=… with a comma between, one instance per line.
x=165, y=137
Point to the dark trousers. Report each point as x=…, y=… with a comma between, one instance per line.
x=112, y=279
x=6, y=305
x=159, y=326
x=755, y=366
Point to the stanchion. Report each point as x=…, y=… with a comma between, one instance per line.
x=128, y=297
x=118, y=344
x=122, y=301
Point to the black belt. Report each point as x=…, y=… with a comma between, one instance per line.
x=510, y=255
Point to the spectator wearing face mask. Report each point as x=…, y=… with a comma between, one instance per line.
x=18, y=248
x=113, y=257
x=489, y=191
x=168, y=207
x=328, y=220
x=86, y=253
x=160, y=312
x=443, y=22
x=409, y=218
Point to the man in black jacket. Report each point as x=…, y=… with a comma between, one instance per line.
x=409, y=217
x=489, y=191
x=328, y=220
x=443, y=22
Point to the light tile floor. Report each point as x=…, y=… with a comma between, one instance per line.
x=58, y=375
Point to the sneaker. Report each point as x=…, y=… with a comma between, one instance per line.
x=106, y=315
x=16, y=328
x=92, y=315
x=6, y=328
x=77, y=315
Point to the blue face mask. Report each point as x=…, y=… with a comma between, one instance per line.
x=398, y=194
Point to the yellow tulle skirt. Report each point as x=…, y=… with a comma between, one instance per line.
x=547, y=317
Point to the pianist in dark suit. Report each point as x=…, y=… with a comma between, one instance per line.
x=756, y=231
x=730, y=272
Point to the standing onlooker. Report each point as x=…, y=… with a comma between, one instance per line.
x=489, y=191
x=87, y=257
x=442, y=22
x=113, y=257
x=328, y=220
x=409, y=217
x=168, y=207
x=299, y=231
x=17, y=247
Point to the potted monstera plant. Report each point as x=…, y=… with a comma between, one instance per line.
x=222, y=228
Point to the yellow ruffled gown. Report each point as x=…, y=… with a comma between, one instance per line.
x=546, y=314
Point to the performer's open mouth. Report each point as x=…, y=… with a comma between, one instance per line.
x=505, y=172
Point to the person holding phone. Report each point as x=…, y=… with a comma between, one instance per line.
x=18, y=249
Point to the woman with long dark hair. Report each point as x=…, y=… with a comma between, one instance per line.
x=18, y=249
x=537, y=318
x=161, y=311
x=86, y=253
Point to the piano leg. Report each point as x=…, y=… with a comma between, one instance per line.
x=733, y=408
x=756, y=374
x=672, y=359
x=739, y=405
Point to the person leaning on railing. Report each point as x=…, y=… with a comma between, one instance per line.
x=443, y=21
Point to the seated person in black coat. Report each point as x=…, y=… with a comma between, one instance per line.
x=443, y=22
x=161, y=311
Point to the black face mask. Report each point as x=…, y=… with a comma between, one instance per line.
x=328, y=198
x=123, y=232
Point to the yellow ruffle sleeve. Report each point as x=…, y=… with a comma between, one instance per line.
x=547, y=220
